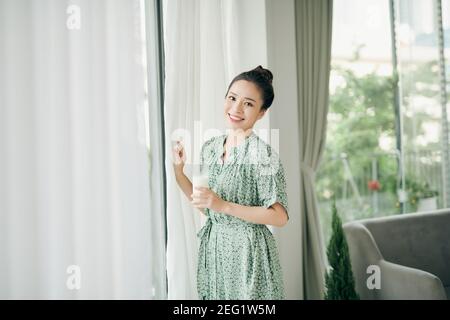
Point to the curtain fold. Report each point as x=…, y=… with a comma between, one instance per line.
x=74, y=170
x=313, y=35
x=155, y=71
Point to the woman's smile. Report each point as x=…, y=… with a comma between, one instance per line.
x=235, y=118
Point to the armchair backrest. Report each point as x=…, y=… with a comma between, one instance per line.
x=417, y=240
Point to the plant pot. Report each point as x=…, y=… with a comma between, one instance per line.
x=427, y=204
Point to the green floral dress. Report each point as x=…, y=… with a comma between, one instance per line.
x=238, y=259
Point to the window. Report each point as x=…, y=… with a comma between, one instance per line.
x=384, y=153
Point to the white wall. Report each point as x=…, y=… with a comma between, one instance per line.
x=284, y=116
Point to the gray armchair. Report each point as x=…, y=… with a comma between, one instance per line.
x=412, y=251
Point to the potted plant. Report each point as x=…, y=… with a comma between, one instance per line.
x=425, y=197
x=339, y=279
x=418, y=194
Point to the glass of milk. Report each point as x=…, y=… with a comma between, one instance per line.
x=200, y=177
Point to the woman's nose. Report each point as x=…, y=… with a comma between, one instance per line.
x=238, y=107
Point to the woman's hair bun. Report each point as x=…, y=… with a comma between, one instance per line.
x=265, y=73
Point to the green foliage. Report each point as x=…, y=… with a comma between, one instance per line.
x=420, y=80
x=339, y=281
x=361, y=110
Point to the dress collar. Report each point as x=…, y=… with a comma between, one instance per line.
x=239, y=146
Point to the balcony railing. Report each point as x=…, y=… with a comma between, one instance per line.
x=350, y=177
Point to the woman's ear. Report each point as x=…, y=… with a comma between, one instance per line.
x=261, y=113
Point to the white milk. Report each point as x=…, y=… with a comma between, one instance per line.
x=200, y=181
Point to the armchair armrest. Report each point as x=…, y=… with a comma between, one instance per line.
x=397, y=281
x=401, y=282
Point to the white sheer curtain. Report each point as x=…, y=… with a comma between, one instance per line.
x=207, y=43
x=74, y=162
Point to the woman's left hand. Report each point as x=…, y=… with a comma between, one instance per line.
x=206, y=198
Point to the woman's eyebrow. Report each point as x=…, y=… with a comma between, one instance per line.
x=244, y=98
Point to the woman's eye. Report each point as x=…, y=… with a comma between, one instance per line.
x=248, y=103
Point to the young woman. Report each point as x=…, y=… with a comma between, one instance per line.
x=238, y=257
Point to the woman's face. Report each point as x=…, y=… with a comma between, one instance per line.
x=243, y=105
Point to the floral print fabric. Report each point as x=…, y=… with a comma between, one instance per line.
x=238, y=259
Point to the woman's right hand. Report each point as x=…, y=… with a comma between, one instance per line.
x=179, y=157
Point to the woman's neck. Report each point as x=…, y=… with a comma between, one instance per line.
x=236, y=137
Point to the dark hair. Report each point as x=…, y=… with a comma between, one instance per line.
x=262, y=78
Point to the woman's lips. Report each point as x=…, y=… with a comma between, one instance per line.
x=234, y=118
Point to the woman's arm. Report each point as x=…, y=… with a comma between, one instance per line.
x=275, y=215
x=183, y=182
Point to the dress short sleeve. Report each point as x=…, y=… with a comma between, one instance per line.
x=202, y=157
x=271, y=184
x=206, y=153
